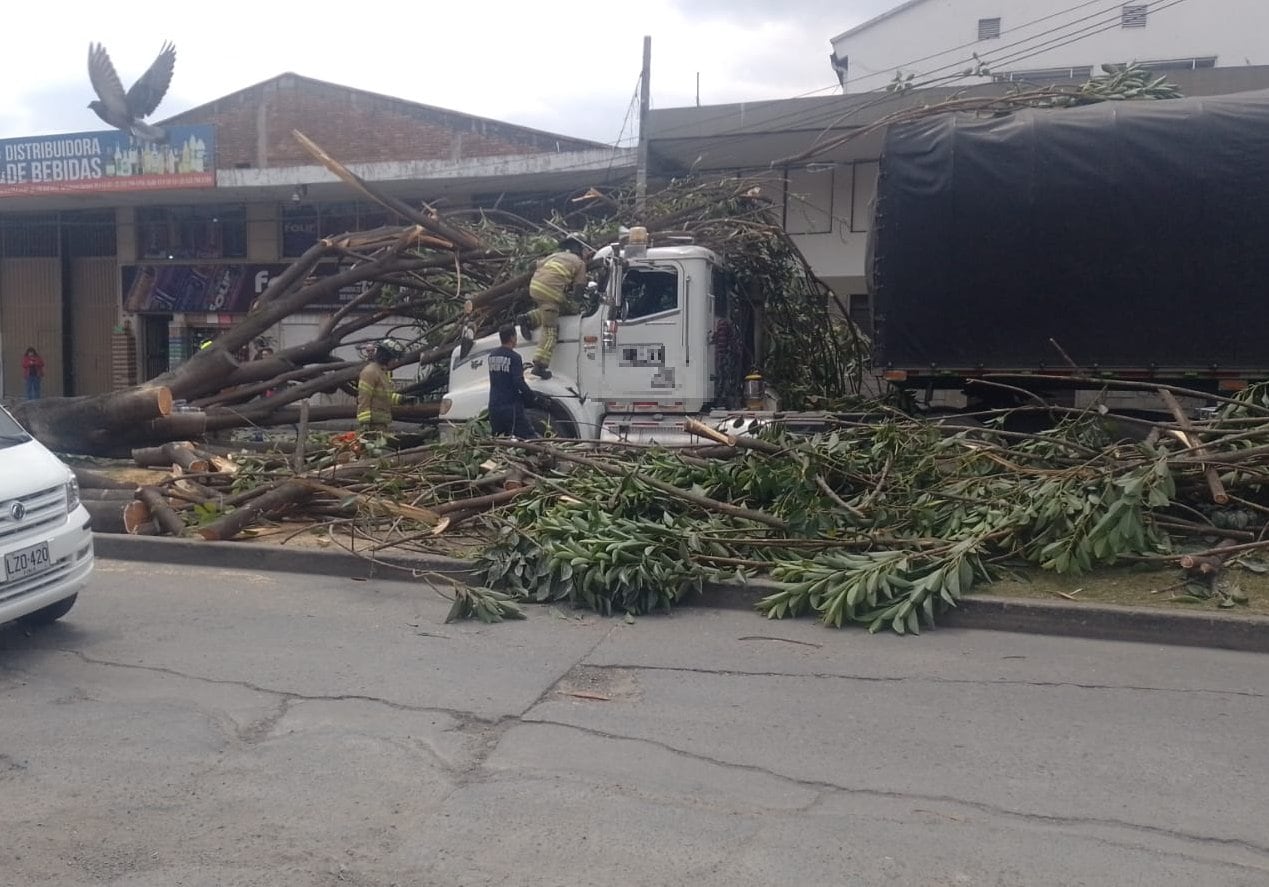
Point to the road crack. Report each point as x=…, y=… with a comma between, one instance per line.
x=293, y=696
x=922, y=679
x=825, y=788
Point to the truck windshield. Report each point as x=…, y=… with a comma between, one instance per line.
x=647, y=291
x=10, y=431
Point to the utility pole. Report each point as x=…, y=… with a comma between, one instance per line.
x=645, y=101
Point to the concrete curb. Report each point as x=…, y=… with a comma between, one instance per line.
x=1220, y=631
x=1107, y=622
x=1247, y=634
x=245, y=556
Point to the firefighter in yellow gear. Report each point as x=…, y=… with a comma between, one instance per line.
x=556, y=276
x=375, y=393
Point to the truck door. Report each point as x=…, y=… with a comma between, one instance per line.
x=645, y=351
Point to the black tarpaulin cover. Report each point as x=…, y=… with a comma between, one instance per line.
x=1133, y=233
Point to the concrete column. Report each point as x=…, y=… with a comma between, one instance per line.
x=263, y=232
x=126, y=234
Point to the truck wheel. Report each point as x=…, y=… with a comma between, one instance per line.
x=50, y=614
x=551, y=422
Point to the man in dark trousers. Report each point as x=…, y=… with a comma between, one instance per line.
x=508, y=392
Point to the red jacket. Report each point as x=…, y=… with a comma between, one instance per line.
x=32, y=366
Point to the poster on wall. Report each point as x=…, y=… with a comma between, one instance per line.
x=213, y=289
x=110, y=160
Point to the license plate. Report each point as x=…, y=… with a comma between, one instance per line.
x=26, y=562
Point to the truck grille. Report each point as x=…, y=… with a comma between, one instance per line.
x=43, y=508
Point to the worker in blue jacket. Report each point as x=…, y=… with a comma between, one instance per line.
x=509, y=394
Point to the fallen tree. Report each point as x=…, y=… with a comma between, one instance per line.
x=881, y=519
x=438, y=274
x=473, y=267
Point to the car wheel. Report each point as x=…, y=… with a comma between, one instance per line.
x=51, y=613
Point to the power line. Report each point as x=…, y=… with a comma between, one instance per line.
x=1064, y=30
x=832, y=87
x=958, y=65
x=936, y=55
x=1089, y=31
x=1029, y=53
x=1065, y=38
x=737, y=134
x=630, y=110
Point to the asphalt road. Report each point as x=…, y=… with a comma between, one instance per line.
x=188, y=726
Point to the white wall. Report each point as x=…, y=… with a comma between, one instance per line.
x=828, y=211
x=1231, y=30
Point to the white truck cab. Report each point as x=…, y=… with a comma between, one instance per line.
x=46, y=543
x=634, y=367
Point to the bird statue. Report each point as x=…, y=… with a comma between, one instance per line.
x=127, y=111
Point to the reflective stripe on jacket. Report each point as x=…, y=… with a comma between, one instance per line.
x=555, y=275
x=375, y=397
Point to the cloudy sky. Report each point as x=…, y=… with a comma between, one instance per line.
x=566, y=65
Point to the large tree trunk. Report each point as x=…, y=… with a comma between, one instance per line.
x=96, y=424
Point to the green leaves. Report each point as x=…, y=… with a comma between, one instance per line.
x=1079, y=525
x=598, y=560
x=901, y=590
x=890, y=523
x=484, y=604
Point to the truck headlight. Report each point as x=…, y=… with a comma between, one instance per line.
x=72, y=495
x=446, y=405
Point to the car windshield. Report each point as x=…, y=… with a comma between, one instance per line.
x=10, y=431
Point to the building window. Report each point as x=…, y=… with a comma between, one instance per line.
x=863, y=193
x=1047, y=75
x=192, y=232
x=303, y=224
x=989, y=29
x=1135, y=15
x=860, y=307
x=649, y=291
x=808, y=200
x=1179, y=64
x=89, y=233
x=28, y=235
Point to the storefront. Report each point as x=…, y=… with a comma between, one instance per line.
x=179, y=306
x=59, y=272
x=117, y=259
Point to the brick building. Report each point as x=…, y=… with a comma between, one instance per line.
x=116, y=266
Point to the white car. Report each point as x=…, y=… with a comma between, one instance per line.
x=46, y=542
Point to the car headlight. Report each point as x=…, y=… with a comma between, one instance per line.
x=72, y=495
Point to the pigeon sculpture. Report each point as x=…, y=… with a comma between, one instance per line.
x=126, y=111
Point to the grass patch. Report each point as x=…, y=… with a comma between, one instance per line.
x=1131, y=587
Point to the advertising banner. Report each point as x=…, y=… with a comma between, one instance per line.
x=110, y=160
x=212, y=289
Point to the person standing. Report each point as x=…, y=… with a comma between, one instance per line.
x=375, y=392
x=32, y=372
x=555, y=277
x=508, y=392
